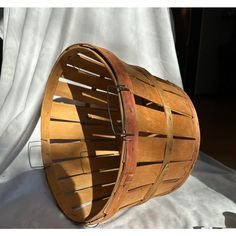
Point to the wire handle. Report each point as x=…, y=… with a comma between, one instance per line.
x=119, y=88
x=29, y=157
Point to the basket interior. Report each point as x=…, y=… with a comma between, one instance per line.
x=84, y=151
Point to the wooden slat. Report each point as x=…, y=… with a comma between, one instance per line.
x=88, y=211
x=145, y=175
x=73, y=74
x=165, y=186
x=168, y=87
x=71, y=130
x=71, y=112
x=150, y=120
x=177, y=103
x=89, y=65
x=177, y=170
x=82, y=149
x=145, y=91
x=135, y=195
x=154, y=121
x=88, y=53
x=137, y=73
x=87, y=180
x=85, y=165
x=85, y=95
x=182, y=126
x=153, y=149
x=89, y=194
x=148, y=174
x=150, y=149
x=182, y=150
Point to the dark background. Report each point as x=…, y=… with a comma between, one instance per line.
x=206, y=50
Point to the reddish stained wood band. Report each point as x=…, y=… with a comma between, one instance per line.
x=130, y=126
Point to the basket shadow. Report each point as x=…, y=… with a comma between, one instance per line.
x=230, y=219
x=102, y=163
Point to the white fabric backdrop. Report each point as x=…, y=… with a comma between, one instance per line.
x=33, y=38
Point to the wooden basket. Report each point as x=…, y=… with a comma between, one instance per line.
x=113, y=135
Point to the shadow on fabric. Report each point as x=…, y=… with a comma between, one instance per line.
x=215, y=175
x=230, y=219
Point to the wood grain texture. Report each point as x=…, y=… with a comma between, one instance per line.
x=145, y=175
x=88, y=115
x=89, y=65
x=62, y=151
x=150, y=120
x=85, y=165
x=87, y=180
x=87, y=79
x=145, y=90
x=78, y=198
x=72, y=130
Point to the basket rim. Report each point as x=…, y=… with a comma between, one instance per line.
x=127, y=162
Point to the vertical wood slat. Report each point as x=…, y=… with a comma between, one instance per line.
x=81, y=214
x=177, y=170
x=152, y=149
x=145, y=90
x=134, y=195
x=154, y=121
x=71, y=130
x=82, y=77
x=145, y=175
x=177, y=103
x=183, y=126
x=89, y=65
x=85, y=95
x=167, y=86
x=61, y=151
x=87, y=115
x=87, y=180
x=166, y=186
x=78, y=198
x=150, y=120
x=85, y=165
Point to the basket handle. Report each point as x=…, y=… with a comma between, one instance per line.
x=119, y=89
x=29, y=154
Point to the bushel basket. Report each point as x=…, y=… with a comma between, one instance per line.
x=113, y=135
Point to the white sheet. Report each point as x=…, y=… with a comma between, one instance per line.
x=33, y=38
x=206, y=199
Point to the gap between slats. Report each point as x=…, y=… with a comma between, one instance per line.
x=85, y=95
x=70, y=168
x=72, y=130
x=68, y=112
x=84, y=149
x=83, y=181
